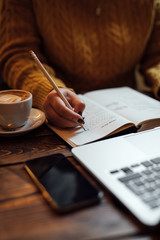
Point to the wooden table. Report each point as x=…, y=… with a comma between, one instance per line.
x=24, y=214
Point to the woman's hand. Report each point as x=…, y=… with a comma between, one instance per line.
x=59, y=114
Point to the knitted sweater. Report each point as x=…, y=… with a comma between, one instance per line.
x=84, y=45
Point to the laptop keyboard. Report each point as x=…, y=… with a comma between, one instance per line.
x=143, y=180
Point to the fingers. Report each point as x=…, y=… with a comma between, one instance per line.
x=57, y=112
x=76, y=103
x=57, y=119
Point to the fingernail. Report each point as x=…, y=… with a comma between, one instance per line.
x=80, y=113
x=81, y=120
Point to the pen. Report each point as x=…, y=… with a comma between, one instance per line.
x=52, y=83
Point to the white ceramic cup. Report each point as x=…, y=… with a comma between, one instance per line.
x=15, y=107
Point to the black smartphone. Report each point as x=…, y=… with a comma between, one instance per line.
x=64, y=187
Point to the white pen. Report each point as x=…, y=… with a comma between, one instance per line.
x=53, y=83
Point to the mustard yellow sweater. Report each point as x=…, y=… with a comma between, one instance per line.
x=84, y=44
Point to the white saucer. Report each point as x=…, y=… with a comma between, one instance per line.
x=36, y=119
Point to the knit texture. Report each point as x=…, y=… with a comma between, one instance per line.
x=84, y=45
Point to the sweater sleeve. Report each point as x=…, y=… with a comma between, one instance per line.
x=19, y=34
x=150, y=65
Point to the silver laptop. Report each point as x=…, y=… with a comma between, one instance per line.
x=129, y=167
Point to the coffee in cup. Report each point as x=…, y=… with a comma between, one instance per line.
x=15, y=107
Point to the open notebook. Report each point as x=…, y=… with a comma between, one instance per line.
x=112, y=111
x=129, y=167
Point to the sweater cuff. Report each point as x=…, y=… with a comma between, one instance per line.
x=153, y=78
x=43, y=90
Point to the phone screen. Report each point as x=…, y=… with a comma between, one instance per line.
x=62, y=184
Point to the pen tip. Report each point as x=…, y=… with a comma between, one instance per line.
x=84, y=128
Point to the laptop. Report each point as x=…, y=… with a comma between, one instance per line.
x=129, y=167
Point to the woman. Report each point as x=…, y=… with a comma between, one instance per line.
x=84, y=45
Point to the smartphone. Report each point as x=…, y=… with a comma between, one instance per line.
x=62, y=184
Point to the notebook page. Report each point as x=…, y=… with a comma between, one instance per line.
x=127, y=102
x=99, y=122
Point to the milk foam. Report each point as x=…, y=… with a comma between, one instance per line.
x=9, y=98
